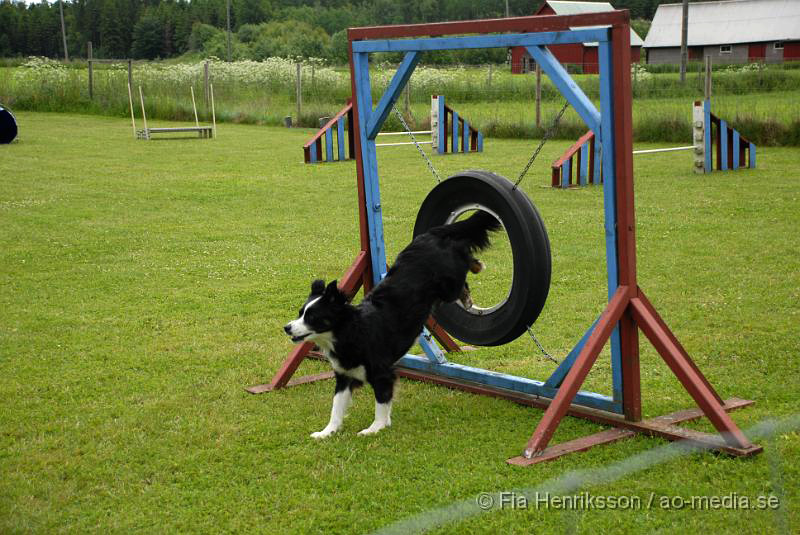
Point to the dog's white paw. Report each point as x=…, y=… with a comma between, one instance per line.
x=371, y=430
x=325, y=433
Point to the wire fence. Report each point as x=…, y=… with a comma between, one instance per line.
x=763, y=98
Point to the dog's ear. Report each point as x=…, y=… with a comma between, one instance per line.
x=317, y=287
x=333, y=295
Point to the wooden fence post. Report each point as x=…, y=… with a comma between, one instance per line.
x=299, y=94
x=91, y=73
x=130, y=73
x=538, y=95
x=205, y=83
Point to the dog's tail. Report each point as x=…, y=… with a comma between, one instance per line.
x=474, y=230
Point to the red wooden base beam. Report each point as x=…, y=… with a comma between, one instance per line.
x=662, y=426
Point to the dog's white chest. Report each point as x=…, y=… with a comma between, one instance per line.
x=358, y=372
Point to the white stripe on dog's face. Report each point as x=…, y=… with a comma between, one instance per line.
x=298, y=329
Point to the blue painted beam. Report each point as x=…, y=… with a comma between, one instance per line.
x=723, y=144
x=584, y=171
x=566, y=173
x=454, y=139
x=597, y=171
x=735, y=149
x=482, y=41
x=442, y=148
x=608, y=141
x=313, y=152
x=465, y=136
x=567, y=86
x=431, y=349
x=752, y=156
x=369, y=158
x=480, y=141
x=557, y=377
x=329, y=145
x=505, y=381
x=392, y=93
x=340, y=140
x=707, y=135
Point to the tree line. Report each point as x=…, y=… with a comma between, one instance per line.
x=150, y=29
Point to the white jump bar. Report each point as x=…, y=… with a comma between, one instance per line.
x=649, y=151
x=405, y=143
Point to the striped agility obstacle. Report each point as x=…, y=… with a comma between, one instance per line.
x=580, y=164
x=449, y=133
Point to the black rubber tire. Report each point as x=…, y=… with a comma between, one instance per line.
x=530, y=249
x=8, y=126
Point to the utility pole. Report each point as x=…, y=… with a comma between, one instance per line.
x=684, y=39
x=506, y=8
x=229, y=30
x=63, y=30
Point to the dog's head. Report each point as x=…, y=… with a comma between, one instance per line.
x=319, y=313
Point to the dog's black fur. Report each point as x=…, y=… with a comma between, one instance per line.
x=363, y=342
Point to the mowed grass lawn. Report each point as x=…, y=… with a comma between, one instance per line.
x=143, y=285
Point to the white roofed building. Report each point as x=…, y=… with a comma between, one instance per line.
x=730, y=31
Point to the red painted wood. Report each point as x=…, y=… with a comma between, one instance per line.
x=663, y=426
x=687, y=373
x=756, y=51
x=623, y=155
x=330, y=124
x=485, y=26
x=573, y=149
x=791, y=51
x=576, y=375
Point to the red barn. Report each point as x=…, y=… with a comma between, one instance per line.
x=582, y=55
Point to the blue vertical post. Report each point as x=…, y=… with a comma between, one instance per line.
x=313, y=152
x=465, y=136
x=597, y=172
x=723, y=144
x=610, y=200
x=752, y=156
x=442, y=120
x=340, y=138
x=455, y=138
x=480, y=141
x=329, y=145
x=369, y=161
x=707, y=135
x=566, y=173
x=735, y=149
x=584, y=172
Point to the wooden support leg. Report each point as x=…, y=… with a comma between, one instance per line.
x=686, y=371
x=580, y=369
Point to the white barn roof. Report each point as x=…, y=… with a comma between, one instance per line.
x=579, y=8
x=726, y=22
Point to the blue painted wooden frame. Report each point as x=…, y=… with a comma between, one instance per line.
x=707, y=135
x=723, y=144
x=370, y=122
x=340, y=138
x=584, y=171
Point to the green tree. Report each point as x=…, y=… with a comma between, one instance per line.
x=148, y=38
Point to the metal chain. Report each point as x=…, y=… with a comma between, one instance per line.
x=545, y=137
x=545, y=353
x=419, y=148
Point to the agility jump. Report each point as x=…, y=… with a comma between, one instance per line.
x=203, y=132
x=449, y=133
x=628, y=310
x=580, y=164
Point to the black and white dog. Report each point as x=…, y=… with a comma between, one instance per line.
x=364, y=342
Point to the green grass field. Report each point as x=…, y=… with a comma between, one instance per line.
x=144, y=285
